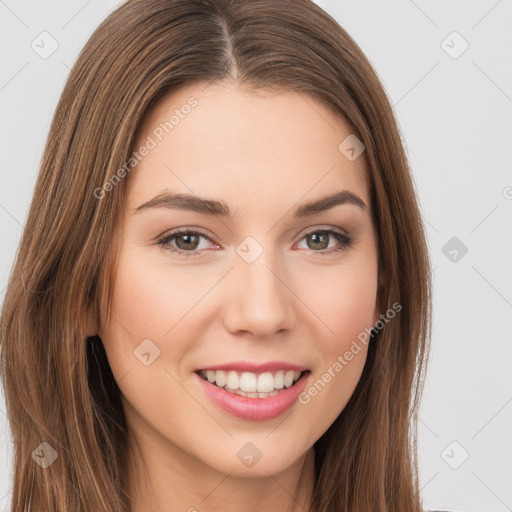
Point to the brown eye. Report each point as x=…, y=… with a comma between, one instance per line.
x=187, y=242
x=319, y=240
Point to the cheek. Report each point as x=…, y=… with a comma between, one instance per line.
x=148, y=335
x=349, y=308
x=141, y=311
x=343, y=301
x=157, y=301
x=152, y=299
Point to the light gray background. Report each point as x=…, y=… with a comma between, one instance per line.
x=455, y=116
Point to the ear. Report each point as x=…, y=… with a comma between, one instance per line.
x=92, y=324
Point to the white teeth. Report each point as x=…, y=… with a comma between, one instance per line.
x=233, y=380
x=265, y=383
x=220, y=378
x=279, y=380
x=248, y=382
x=288, y=378
x=252, y=384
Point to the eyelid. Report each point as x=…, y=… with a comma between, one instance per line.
x=189, y=230
x=213, y=238
x=165, y=238
x=313, y=229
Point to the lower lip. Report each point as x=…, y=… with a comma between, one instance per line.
x=257, y=409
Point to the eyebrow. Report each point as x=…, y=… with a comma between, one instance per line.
x=212, y=207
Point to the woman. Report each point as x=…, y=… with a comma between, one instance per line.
x=221, y=298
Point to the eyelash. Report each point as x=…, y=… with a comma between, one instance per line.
x=344, y=239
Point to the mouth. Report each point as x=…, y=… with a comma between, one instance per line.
x=253, y=396
x=250, y=384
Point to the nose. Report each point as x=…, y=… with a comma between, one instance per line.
x=258, y=298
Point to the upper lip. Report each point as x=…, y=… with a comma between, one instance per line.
x=248, y=366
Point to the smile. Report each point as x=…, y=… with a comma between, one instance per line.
x=251, y=395
x=249, y=384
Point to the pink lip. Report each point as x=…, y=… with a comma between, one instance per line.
x=258, y=409
x=248, y=366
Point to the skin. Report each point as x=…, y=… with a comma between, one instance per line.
x=263, y=154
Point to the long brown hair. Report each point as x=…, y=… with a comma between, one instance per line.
x=57, y=381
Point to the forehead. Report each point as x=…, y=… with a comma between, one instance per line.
x=227, y=142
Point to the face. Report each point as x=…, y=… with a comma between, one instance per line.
x=257, y=288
